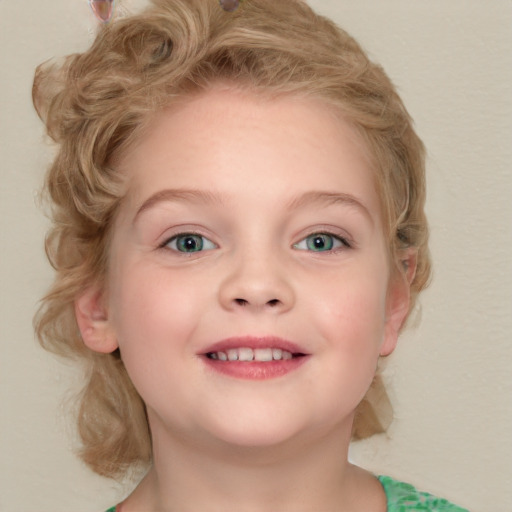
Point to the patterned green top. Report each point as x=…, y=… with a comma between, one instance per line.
x=404, y=497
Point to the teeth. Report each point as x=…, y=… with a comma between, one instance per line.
x=277, y=354
x=263, y=354
x=245, y=354
x=248, y=354
x=233, y=354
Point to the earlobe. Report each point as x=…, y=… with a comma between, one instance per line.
x=398, y=300
x=93, y=322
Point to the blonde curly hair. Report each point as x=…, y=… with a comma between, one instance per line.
x=95, y=104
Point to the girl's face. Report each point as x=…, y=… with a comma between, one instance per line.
x=251, y=229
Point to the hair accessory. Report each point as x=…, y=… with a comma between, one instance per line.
x=229, y=5
x=102, y=9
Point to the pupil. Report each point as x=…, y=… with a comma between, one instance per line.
x=319, y=242
x=190, y=244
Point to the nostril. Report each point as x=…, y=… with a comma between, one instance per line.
x=273, y=302
x=241, y=302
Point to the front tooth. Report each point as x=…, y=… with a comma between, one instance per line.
x=287, y=355
x=263, y=354
x=222, y=356
x=245, y=354
x=232, y=354
x=277, y=354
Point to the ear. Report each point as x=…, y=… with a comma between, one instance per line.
x=398, y=300
x=93, y=322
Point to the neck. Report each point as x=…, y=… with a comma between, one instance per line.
x=299, y=475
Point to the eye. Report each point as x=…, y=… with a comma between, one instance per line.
x=321, y=242
x=189, y=242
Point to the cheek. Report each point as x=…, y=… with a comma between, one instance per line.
x=350, y=318
x=153, y=314
x=352, y=327
x=150, y=298
x=354, y=306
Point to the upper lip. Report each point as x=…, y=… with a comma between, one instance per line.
x=254, y=342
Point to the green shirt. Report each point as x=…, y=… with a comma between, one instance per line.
x=404, y=497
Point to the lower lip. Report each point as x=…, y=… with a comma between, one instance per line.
x=255, y=370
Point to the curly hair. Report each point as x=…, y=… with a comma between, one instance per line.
x=95, y=104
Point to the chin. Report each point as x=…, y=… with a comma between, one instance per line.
x=256, y=432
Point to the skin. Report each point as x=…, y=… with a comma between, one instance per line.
x=260, y=170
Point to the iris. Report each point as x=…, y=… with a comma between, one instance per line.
x=320, y=242
x=189, y=243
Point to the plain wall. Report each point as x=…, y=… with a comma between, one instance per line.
x=449, y=380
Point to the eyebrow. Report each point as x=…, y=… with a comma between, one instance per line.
x=327, y=198
x=177, y=195
x=202, y=196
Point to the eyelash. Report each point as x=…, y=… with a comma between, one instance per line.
x=331, y=237
x=334, y=243
x=190, y=235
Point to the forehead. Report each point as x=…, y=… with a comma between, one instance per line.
x=228, y=137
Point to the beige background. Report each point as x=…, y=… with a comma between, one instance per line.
x=450, y=378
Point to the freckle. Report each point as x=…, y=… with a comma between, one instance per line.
x=229, y=5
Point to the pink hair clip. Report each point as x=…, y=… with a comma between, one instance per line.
x=230, y=5
x=102, y=9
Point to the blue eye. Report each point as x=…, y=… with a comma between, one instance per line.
x=188, y=242
x=321, y=242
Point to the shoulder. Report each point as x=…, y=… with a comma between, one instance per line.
x=403, y=497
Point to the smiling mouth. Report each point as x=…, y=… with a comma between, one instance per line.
x=246, y=354
x=254, y=358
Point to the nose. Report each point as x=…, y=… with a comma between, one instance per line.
x=257, y=283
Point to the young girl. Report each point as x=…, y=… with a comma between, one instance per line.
x=238, y=236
